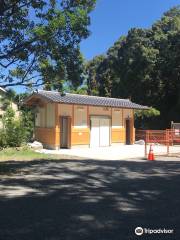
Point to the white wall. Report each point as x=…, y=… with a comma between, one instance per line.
x=80, y=116
x=50, y=115
x=117, y=121
x=65, y=110
x=127, y=113
x=99, y=111
x=45, y=117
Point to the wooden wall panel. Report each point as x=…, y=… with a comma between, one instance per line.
x=80, y=116
x=45, y=135
x=80, y=136
x=65, y=110
x=118, y=135
x=50, y=115
x=117, y=121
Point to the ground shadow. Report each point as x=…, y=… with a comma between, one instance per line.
x=88, y=199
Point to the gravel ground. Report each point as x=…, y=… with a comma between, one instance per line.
x=116, y=152
x=88, y=199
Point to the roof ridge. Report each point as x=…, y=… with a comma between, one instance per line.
x=72, y=98
x=126, y=99
x=51, y=91
x=76, y=94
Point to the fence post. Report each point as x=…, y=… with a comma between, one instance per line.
x=145, y=144
x=167, y=141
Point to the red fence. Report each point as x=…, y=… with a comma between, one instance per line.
x=169, y=139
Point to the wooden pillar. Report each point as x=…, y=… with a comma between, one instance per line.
x=73, y=115
x=57, y=127
x=45, y=122
x=133, y=129
x=110, y=139
x=88, y=124
x=88, y=120
x=122, y=118
x=123, y=127
x=56, y=116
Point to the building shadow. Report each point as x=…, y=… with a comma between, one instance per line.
x=88, y=199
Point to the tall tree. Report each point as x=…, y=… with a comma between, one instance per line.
x=91, y=70
x=40, y=40
x=145, y=65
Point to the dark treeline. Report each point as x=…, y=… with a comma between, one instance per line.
x=145, y=66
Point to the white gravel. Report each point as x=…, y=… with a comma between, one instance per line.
x=114, y=152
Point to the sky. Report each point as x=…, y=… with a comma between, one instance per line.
x=113, y=18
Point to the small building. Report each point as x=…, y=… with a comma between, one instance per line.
x=69, y=120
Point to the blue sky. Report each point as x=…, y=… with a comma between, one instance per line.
x=113, y=18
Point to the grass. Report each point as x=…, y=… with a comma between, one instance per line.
x=20, y=154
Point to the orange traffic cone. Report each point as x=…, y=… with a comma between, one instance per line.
x=151, y=154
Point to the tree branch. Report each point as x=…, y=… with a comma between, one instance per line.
x=35, y=84
x=11, y=7
x=7, y=65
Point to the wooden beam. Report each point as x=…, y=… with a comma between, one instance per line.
x=122, y=117
x=73, y=115
x=88, y=120
x=56, y=116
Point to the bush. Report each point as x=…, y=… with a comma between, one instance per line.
x=27, y=118
x=13, y=133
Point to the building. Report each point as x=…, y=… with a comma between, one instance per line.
x=68, y=120
x=3, y=97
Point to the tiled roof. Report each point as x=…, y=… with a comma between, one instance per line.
x=54, y=96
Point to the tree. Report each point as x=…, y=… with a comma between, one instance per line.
x=40, y=40
x=143, y=118
x=7, y=99
x=91, y=70
x=144, y=65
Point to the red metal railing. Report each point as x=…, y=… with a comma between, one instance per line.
x=167, y=138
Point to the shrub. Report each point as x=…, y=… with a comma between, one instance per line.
x=3, y=142
x=27, y=118
x=13, y=133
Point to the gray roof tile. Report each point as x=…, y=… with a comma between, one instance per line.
x=54, y=96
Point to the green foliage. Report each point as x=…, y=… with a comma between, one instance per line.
x=15, y=131
x=27, y=116
x=143, y=65
x=7, y=99
x=40, y=41
x=152, y=112
x=5, y=103
x=92, y=74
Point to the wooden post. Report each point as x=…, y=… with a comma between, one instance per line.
x=73, y=115
x=148, y=136
x=57, y=127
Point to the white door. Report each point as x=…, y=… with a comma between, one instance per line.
x=100, y=132
x=104, y=132
x=94, y=142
